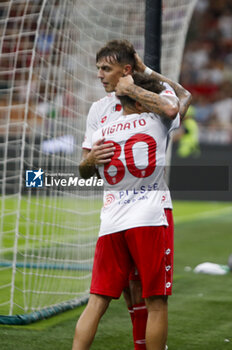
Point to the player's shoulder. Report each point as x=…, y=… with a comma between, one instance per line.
x=168, y=90
x=150, y=116
x=105, y=105
x=150, y=120
x=159, y=121
x=109, y=98
x=100, y=106
x=104, y=109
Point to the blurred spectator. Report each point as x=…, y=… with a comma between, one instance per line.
x=203, y=110
x=187, y=136
x=206, y=69
x=207, y=66
x=45, y=43
x=221, y=114
x=225, y=24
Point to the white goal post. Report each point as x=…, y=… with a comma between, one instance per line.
x=47, y=84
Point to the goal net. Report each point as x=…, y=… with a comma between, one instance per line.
x=175, y=23
x=47, y=84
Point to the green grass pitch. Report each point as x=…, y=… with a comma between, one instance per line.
x=200, y=309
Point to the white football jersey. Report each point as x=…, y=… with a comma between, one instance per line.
x=102, y=112
x=134, y=179
x=107, y=110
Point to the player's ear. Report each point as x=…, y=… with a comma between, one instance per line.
x=139, y=107
x=127, y=69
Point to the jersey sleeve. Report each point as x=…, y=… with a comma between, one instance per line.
x=91, y=126
x=170, y=124
x=168, y=90
x=175, y=123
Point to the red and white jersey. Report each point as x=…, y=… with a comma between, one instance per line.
x=134, y=179
x=107, y=110
x=102, y=112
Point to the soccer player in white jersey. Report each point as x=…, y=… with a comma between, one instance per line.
x=115, y=61
x=133, y=221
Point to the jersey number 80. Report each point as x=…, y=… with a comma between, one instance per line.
x=129, y=159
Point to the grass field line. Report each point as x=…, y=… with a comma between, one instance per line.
x=43, y=243
x=177, y=219
x=203, y=215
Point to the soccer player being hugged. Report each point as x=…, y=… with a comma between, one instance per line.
x=133, y=222
x=116, y=61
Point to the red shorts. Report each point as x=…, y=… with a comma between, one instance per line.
x=134, y=275
x=117, y=253
x=170, y=244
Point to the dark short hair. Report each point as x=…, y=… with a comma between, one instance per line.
x=122, y=50
x=147, y=83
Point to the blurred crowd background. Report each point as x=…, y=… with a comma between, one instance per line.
x=207, y=70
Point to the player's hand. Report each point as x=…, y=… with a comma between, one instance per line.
x=139, y=65
x=101, y=153
x=123, y=86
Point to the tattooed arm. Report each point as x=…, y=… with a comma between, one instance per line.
x=184, y=96
x=165, y=106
